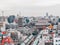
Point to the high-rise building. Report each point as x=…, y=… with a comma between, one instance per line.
x=20, y=22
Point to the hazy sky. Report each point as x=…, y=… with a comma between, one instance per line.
x=30, y=7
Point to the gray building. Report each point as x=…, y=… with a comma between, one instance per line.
x=20, y=22
x=41, y=23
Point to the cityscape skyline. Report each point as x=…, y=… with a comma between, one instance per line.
x=30, y=8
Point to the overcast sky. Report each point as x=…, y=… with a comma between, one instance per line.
x=30, y=7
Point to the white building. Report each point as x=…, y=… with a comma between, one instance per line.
x=45, y=38
x=45, y=31
x=56, y=41
x=55, y=27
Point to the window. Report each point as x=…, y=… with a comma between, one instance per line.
x=56, y=40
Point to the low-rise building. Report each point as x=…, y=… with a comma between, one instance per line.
x=41, y=23
x=56, y=41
